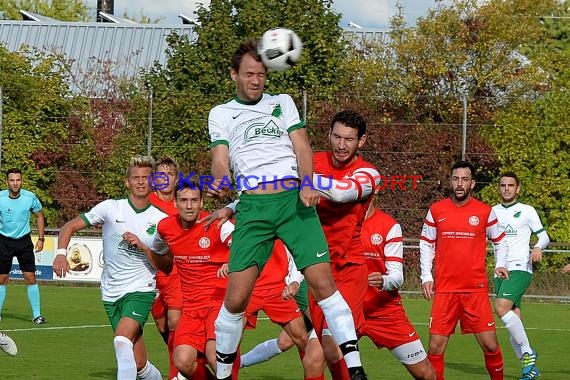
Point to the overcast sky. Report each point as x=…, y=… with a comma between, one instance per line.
x=367, y=13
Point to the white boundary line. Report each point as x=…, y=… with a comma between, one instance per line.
x=262, y=318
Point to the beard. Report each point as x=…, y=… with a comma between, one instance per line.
x=463, y=196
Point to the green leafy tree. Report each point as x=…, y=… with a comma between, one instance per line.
x=64, y=10
x=36, y=103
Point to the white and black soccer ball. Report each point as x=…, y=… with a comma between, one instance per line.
x=280, y=49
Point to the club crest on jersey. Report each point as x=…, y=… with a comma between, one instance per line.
x=204, y=242
x=376, y=239
x=259, y=130
x=474, y=220
x=150, y=228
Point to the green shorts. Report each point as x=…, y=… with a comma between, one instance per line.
x=514, y=288
x=263, y=218
x=134, y=305
x=302, y=296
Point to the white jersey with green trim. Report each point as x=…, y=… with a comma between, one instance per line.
x=257, y=135
x=520, y=221
x=126, y=269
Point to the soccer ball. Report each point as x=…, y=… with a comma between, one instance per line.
x=280, y=49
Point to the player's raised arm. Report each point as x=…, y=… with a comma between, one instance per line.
x=360, y=185
x=304, y=154
x=427, y=254
x=159, y=255
x=60, y=265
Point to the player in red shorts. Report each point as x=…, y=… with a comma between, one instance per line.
x=346, y=183
x=167, y=306
x=387, y=324
x=201, y=256
x=454, y=237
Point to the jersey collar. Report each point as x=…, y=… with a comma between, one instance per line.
x=138, y=210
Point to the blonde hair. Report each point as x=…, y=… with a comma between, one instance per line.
x=140, y=162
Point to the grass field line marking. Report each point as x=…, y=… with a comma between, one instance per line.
x=57, y=328
x=503, y=327
x=261, y=318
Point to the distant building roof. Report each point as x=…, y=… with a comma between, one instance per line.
x=133, y=46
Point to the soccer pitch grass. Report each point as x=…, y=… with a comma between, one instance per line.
x=77, y=342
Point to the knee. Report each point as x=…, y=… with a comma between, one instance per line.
x=502, y=308
x=436, y=348
x=320, y=280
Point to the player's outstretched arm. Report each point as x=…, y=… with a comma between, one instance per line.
x=60, y=265
x=309, y=196
x=220, y=171
x=222, y=215
x=359, y=186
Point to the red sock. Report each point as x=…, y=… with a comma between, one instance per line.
x=301, y=355
x=339, y=370
x=438, y=365
x=494, y=364
x=236, y=365
x=173, y=370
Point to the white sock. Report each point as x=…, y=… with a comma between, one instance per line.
x=516, y=329
x=149, y=372
x=126, y=365
x=228, y=329
x=261, y=353
x=516, y=347
x=341, y=325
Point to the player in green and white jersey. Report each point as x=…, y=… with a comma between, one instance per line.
x=267, y=145
x=128, y=279
x=519, y=221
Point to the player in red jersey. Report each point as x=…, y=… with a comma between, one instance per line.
x=346, y=183
x=201, y=256
x=167, y=306
x=454, y=238
x=386, y=322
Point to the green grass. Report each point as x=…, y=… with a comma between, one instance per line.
x=77, y=342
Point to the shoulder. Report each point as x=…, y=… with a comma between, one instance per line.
x=321, y=156
x=167, y=223
x=480, y=205
x=221, y=109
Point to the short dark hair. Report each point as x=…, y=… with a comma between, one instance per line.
x=248, y=46
x=464, y=165
x=166, y=161
x=192, y=184
x=13, y=171
x=510, y=175
x=351, y=119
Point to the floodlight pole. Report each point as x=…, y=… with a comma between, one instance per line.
x=1, y=118
x=464, y=137
x=149, y=135
x=305, y=105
